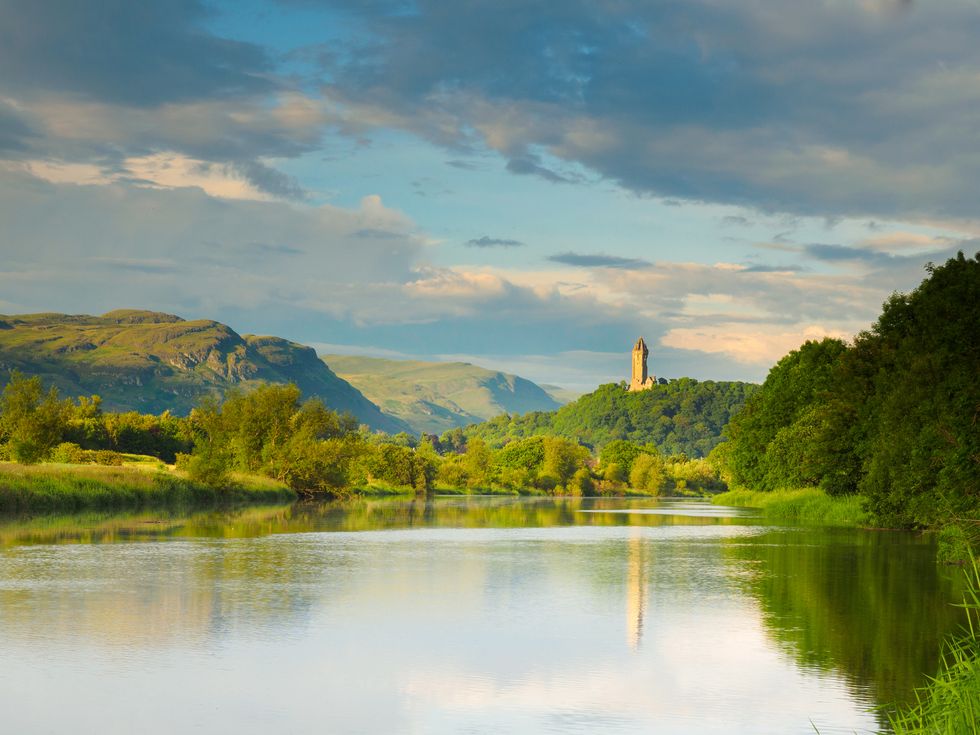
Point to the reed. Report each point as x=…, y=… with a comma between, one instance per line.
x=807, y=505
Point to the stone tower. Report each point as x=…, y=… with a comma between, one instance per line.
x=639, y=379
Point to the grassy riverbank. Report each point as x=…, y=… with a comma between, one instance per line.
x=62, y=487
x=810, y=505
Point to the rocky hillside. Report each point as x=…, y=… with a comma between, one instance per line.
x=151, y=362
x=436, y=396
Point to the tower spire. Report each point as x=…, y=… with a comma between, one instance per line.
x=639, y=380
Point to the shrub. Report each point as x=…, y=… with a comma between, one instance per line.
x=107, y=457
x=69, y=453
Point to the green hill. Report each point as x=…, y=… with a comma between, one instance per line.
x=436, y=396
x=683, y=416
x=151, y=362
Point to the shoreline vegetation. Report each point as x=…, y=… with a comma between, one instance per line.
x=53, y=487
x=804, y=505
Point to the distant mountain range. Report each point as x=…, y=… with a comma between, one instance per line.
x=436, y=396
x=152, y=362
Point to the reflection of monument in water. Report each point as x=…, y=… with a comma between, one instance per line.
x=636, y=591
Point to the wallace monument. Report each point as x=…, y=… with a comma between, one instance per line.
x=640, y=380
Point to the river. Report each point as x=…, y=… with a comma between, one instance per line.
x=463, y=615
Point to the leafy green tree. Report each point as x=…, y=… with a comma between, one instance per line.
x=31, y=421
x=562, y=458
x=478, y=464
x=648, y=473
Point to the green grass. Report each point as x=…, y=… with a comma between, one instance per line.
x=70, y=488
x=950, y=704
x=810, y=505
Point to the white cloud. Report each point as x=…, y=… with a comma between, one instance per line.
x=761, y=346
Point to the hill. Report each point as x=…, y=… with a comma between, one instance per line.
x=152, y=362
x=436, y=396
x=683, y=416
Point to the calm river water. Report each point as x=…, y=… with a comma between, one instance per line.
x=473, y=615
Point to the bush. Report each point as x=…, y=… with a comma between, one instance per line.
x=209, y=468
x=107, y=457
x=581, y=483
x=70, y=453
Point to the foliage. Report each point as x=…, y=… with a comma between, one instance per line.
x=684, y=416
x=647, y=473
x=892, y=417
x=31, y=420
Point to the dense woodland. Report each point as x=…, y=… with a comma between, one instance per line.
x=892, y=417
x=684, y=416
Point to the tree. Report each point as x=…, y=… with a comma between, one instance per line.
x=648, y=473
x=32, y=421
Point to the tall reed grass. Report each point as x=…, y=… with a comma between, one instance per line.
x=808, y=505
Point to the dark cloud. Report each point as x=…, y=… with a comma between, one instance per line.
x=373, y=233
x=583, y=260
x=462, y=165
x=147, y=266
x=264, y=248
x=123, y=52
x=837, y=253
x=270, y=181
x=493, y=242
x=827, y=109
x=14, y=130
x=764, y=268
x=530, y=165
x=736, y=220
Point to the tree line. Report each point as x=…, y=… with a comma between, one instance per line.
x=894, y=416
x=272, y=431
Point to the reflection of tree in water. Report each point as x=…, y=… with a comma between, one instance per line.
x=872, y=607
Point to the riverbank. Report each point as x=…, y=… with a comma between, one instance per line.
x=54, y=487
x=810, y=505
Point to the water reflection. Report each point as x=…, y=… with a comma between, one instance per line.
x=636, y=590
x=461, y=614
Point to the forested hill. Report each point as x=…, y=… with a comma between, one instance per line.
x=436, y=396
x=684, y=416
x=152, y=362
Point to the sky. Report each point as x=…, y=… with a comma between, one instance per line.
x=525, y=185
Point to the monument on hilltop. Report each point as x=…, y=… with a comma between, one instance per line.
x=640, y=380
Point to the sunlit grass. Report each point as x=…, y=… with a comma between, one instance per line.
x=810, y=505
x=63, y=487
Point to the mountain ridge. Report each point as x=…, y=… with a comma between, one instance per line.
x=436, y=396
x=152, y=361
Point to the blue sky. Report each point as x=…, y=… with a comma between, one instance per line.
x=523, y=185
